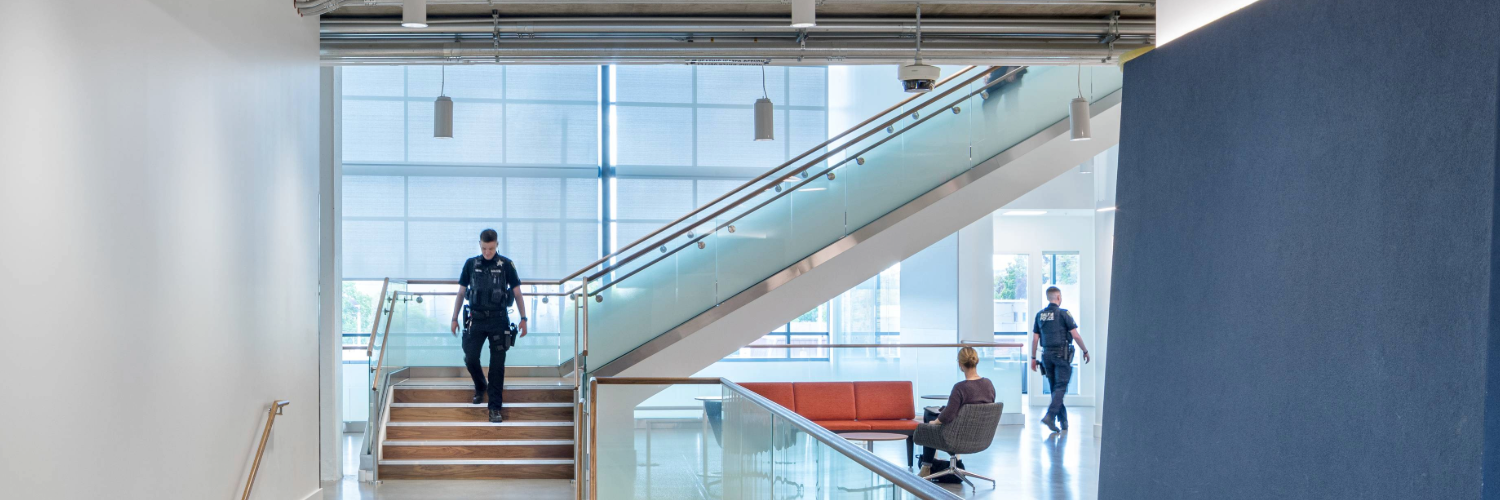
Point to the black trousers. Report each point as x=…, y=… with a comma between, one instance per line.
x=480, y=330
x=928, y=453
x=1059, y=371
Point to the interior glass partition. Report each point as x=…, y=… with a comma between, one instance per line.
x=730, y=444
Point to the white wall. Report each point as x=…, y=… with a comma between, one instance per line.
x=1033, y=235
x=159, y=213
x=1175, y=18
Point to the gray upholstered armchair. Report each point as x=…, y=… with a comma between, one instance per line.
x=970, y=432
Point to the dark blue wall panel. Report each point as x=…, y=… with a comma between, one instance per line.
x=1302, y=293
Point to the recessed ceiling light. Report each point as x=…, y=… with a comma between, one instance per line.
x=1106, y=209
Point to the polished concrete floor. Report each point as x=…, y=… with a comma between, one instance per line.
x=1027, y=461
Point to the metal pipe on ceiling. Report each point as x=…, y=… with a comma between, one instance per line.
x=652, y=26
x=586, y=51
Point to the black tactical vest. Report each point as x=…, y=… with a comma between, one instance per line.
x=489, y=288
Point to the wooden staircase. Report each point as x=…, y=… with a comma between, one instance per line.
x=433, y=432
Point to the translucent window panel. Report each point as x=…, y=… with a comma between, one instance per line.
x=534, y=198
x=373, y=131
x=381, y=81
x=374, y=249
x=726, y=139
x=805, y=130
x=627, y=232
x=551, y=133
x=536, y=248
x=552, y=82
x=582, y=199
x=477, y=133
x=467, y=197
x=653, y=136
x=661, y=199
x=374, y=196
x=709, y=189
x=581, y=245
x=478, y=81
x=437, y=250
x=740, y=84
x=664, y=84
x=809, y=86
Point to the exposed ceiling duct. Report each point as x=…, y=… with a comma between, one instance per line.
x=606, y=31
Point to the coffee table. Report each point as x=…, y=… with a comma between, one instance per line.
x=871, y=437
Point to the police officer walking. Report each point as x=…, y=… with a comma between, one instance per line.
x=490, y=284
x=1055, y=331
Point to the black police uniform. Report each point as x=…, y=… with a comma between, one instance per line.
x=1055, y=325
x=490, y=284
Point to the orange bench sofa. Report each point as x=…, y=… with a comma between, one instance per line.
x=844, y=407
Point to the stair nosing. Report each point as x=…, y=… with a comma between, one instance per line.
x=480, y=405
x=478, y=442
x=475, y=461
x=522, y=423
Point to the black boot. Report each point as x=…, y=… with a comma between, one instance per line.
x=478, y=397
x=496, y=417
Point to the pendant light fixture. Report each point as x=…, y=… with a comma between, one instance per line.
x=765, y=121
x=1078, y=113
x=442, y=111
x=804, y=14
x=414, y=13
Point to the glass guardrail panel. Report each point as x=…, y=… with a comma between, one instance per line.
x=1012, y=110
x=643, y=450
x=655, y=299
x=759, y=246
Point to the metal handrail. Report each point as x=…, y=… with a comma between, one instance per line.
x=375, y=325
x=829, y=154
x=786, y=192
x=899, y=477
x=870, y=346
x=261, y=450
x=750, y=182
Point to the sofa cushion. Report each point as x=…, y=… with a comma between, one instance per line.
x=778, y=392
x=883, y=401
x=824, y=400
x=843, y=425
x=890, y=425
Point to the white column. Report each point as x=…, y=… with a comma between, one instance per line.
x=929, y=315
x=330, y=288
x=976, y=281
x=1105, y=169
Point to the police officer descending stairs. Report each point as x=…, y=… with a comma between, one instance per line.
x=491, y=285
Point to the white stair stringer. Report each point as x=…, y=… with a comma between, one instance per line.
x=708, y=337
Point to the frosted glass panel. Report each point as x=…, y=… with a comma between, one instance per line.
x=660, y=84
x=653, y=136
x=477, y=81
x=374, y=196
x=477, y=133
x=468, y=197
x=374, y=249
x=740, y=84
x=375, y=130
x=551, y=133
x=726, y=138
x=439, y=249
x=552, y=82
x=383, y=81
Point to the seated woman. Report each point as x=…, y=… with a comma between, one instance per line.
x=973, y=389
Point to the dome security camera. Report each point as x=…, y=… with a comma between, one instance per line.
x=918, y=78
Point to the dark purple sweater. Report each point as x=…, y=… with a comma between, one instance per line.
x=965, y=392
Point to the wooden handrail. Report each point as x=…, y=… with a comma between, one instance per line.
x=375, y=381
x=379, y=307
x=261, y=450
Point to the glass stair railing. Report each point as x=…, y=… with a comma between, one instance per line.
x=825, y=194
